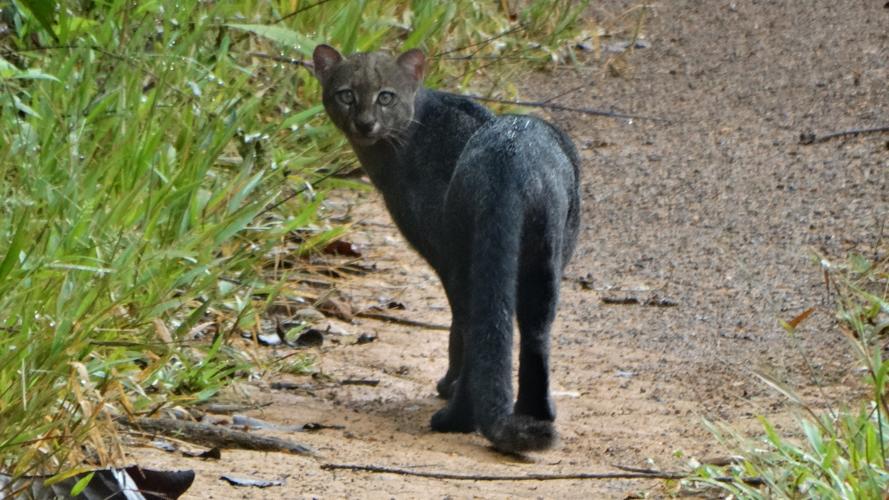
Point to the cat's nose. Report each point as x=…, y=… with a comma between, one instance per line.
x=365, y=126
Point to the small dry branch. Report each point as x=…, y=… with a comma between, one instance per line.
x=629, y=474
x=810, y=138
x=481, y=43
x=360, y=381
x=630, y=301
x=215, y=436
x=558, y=107
x=402, y=321
x=487, y=477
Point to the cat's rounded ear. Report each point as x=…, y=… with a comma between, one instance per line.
x=325, y=57
x=414, y=61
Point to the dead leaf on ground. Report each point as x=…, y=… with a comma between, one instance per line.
x=801, y=317
x=336, y=308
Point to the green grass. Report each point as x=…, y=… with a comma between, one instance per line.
x=834, y=454
x=148, y=167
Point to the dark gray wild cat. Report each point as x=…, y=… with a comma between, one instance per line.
x=492, y=204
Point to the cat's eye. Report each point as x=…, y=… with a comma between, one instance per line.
x=346, y=97
x=385, y=98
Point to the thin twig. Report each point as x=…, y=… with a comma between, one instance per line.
x=401, y=321
x=639, y=474
x=559, y=107
x=620, y=301
x=498, y=57
x=752, y=481
x=493, y=61
x=296, y=192
x=639, y=470
x=570, y=91
x=214, y=435
x=300, y=11
x=810, y=138
x=654, y=301
x=491, y=477
x=482, y=42
x=361, y=381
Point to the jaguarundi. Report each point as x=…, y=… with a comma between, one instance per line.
x=492, y=204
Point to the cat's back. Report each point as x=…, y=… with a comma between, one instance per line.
x=518, y=148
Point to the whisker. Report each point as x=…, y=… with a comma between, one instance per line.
x=395, y=141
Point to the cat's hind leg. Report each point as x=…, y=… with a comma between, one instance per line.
x=540, y=270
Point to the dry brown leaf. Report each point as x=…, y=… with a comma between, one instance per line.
x=801, y=317
x=336, y=308
x=163, y=333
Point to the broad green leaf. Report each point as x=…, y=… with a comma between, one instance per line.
x=7, y=69
x=61, y=476
x=15, y=246
x=282, y=36
x=24, y=108
x=302, y=117
x=81, y=484
x=43, y=11
x=238, y=199
x=35, y=74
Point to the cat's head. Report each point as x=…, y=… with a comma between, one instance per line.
x=369, y=96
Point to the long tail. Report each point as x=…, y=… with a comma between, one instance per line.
x=494, y=272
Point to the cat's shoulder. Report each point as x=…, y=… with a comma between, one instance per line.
x=454, y=103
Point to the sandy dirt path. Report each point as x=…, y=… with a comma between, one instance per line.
x=719, y=211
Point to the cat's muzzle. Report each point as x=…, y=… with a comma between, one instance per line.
x=365, y=133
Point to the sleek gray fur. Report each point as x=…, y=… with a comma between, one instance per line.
x=492, y=204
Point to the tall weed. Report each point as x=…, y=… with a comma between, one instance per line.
x=837, y=454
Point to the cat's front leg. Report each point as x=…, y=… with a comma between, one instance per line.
x=448, y=384
x=457, y=415
x=455, y=290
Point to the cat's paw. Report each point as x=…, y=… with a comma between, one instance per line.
x=540, y=409
x=446, y=387
x=448, y=420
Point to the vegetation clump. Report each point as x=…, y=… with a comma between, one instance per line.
x=153, y=156
x=836, y=453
